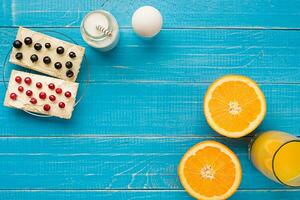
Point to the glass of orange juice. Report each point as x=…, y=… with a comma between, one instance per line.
x=277, y=155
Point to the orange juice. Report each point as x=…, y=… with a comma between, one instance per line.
x=277, y=155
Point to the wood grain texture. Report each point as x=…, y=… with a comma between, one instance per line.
x=189, y=56
x=107, y=162
x=176, y=14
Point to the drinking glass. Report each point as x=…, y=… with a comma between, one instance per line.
x=277, y=155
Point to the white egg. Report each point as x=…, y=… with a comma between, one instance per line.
x=147, y=21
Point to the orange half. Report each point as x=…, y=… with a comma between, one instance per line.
x=210, y=170
x=234, y=106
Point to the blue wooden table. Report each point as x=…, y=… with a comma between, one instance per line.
x=143, y=107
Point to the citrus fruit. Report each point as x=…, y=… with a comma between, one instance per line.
x=210, y=170
x=234, y=106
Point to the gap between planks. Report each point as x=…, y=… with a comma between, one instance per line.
x=163, y=82
x=124, y=136
x=181, y=28
x=117, y=136
x=138, y=190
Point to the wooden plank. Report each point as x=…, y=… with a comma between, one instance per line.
x=176, y=14
x=141, y=194
x=189, y=56
x=147, y=109
x=107, y=162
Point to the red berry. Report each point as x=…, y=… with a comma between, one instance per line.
x=51, y=86
x=39, y=85
x=61, y=104
x=47, y=107
x=68, y=94
x=18, y=79
x=29, y=93
x=52, y=98
x=42, y=95
x=33, y=100
x=13, y=96
x=27, y=80
x=58, y=90
x=21, y=89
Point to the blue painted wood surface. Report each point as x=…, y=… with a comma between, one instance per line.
x=143, y=107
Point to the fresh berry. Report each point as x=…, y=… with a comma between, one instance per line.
x=69, y=64
x=19, y=56
x=34, y=58
x=69, y=73
x=33, y=100
x=51, y=86
x=28, y=80
x=29, y=93
x=47, y=60
x=61, y=104
x=47, y=45
x=68, y=94
x=72, y=54
x=47, y=107
x=42, y=95
x=18, y=79
x=21, y=89
x=58, y=90
x=60, y=50
x=17, y=44
x=37, y=46
x=58, y=65
x=13, y=96
x=28, y=41
x=39, y=85
x=52, y=98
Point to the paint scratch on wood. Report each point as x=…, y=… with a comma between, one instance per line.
x=77, y=18
x=103, y=4
x=120, y=67
x=133, y=176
